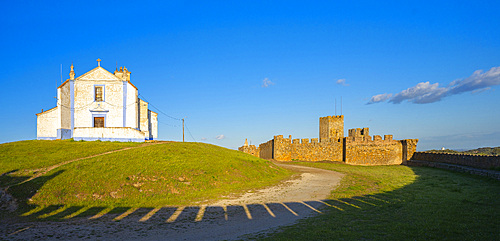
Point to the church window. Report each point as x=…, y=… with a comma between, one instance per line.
x=99, y=93
x=98, y=121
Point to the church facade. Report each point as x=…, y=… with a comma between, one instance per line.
x=98, y=105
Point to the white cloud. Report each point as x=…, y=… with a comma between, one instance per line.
x=477, y=81
x=424, y=92
x=266, y=83
x=203, y=139
x=342, y=82
x=220, y=137
x=379, y=98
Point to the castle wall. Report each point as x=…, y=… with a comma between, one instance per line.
x=251, y=149
x=478, y=161
x=409, y=149
x=373, y=152
x=316, y=151
x=266, y=150
x=357, y=149
x=282, y=148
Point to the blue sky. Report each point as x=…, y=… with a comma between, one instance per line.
x=255, y=69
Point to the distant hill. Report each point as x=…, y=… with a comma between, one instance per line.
x=491, y=151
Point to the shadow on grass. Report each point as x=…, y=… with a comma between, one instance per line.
x=23, y=190
x=437, y=205
x=7, y=180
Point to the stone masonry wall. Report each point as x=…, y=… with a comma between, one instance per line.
x=251, y=149
x=331, y=127
x=478, y=161
x=374, y=153
x=288, y=149
x=409, y=149
x=282, y=148
x=266, y=150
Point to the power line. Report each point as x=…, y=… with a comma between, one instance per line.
x=190, y=133
x=168, y=124
x=159, y=109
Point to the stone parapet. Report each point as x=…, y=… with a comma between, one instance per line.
x=478, y=161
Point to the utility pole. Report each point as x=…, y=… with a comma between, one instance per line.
x=182, y=129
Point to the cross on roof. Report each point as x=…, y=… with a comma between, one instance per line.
x=99, y=62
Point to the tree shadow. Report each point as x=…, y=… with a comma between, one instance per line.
x=6, y=179
x=23, y=190
x=438, y=204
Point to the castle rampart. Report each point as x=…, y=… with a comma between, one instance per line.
x=358, y=148
x=478, y=161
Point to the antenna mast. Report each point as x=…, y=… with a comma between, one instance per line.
x=340, y=105
x=335, y=106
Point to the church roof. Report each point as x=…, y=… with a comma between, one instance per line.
x=98, y=73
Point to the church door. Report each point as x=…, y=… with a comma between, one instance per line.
x=98, y=121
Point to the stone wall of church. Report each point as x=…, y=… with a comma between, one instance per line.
x=153, y=116
x=132, y=106
x=120, y=108
x=86, y=107
x=108, y=134
x=144, y=117
x=46, y=124
x=65, y=105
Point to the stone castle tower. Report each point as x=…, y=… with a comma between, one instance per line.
x=331, y=127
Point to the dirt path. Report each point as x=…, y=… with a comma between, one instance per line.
x=256, y=212
x=313, y=184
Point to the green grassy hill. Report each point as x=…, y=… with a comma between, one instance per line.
x=489, y=151
x=145, y=175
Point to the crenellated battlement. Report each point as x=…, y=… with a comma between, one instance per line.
x=358, y=148
x=361, y=135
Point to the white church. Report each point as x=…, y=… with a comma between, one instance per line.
x=98, y=105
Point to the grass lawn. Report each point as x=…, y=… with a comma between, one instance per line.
x=151, y=176
x=35, y=154
x=403, y=203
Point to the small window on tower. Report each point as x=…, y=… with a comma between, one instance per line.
x=99, y=93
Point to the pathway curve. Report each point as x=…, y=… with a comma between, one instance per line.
x=255, y=212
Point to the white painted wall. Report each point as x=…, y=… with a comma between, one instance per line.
x=154, y=124
x=46, y=123
x=112, y=108
x=132, y=108
x=64, y=104
x=85, y=105
x=108, y=132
